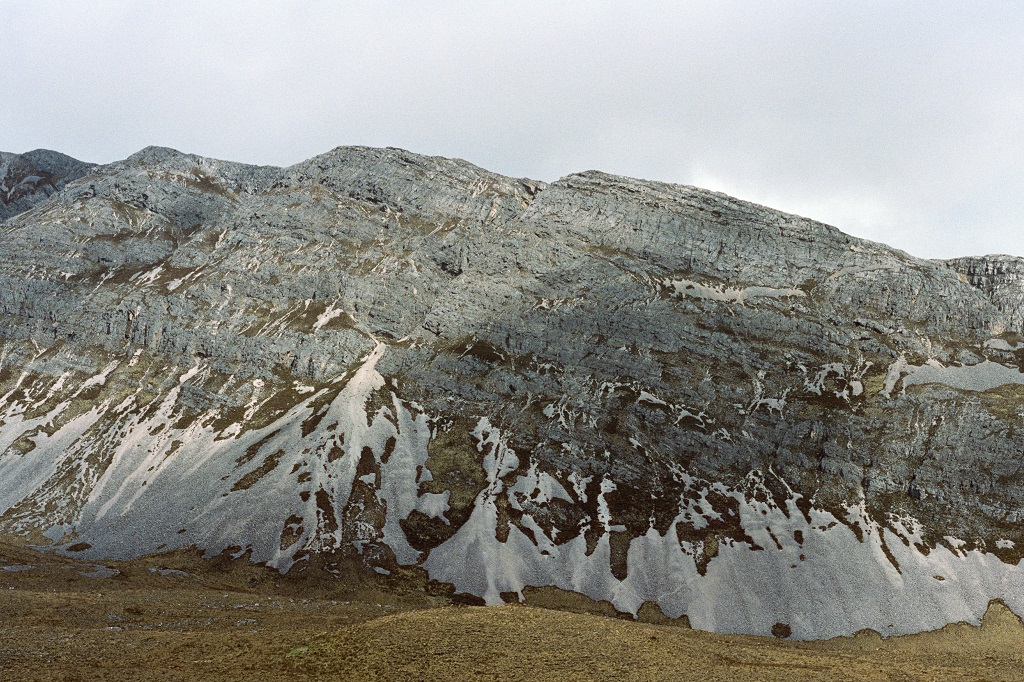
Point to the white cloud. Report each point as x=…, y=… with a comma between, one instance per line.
x=894, y=121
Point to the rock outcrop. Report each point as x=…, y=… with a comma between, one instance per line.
x=29, y=179
x=630, y=389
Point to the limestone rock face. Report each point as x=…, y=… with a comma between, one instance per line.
x=1001, y=278
x=30, y=178
x=630, y=389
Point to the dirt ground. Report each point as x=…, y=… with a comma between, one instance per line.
x=177, y=617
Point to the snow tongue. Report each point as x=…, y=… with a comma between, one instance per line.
x=643, y=393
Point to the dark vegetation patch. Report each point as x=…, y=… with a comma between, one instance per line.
x=1005, y=403
x=480, y=350
x=305, y=319
x=365, y=514
x=292, y=532
x=199, y=180
x=618, y=543
x=556, y=515
x=253, y=450
x=319, y=407
x=327, y=522
x=250, y=479
x=367, y=466
x=563, y=600
x=455, y=465
x=727, y=527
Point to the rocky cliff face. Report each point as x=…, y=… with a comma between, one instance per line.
x=30, y=178
x=630, y=389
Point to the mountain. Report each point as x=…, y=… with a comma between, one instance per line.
x=639, y=391
x=30, y=178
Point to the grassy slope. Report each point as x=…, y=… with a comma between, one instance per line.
x=520, y=643
x=226, y=620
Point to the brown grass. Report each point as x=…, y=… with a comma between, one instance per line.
x=222, y=619
x=522, y=643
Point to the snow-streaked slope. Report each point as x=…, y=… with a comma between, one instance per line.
x=333, y=472
x=636, y=391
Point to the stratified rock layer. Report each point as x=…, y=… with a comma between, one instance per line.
x=630, y=389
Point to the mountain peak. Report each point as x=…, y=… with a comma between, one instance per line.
x=31, y=178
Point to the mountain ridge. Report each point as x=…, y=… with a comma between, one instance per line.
x=30, y=178
x=630, y=389
x=162, y=152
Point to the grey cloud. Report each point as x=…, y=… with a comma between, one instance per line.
x=893, y=121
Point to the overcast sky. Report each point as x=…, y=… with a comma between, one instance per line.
x=896, y=121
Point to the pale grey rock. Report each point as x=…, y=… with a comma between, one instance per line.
x=29, y=179
x=1001, y=278
x=636, y=390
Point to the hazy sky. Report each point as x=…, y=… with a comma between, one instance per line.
x=896, y=121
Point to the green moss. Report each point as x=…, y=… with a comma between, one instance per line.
x=23, y=445
x=873, y=384
x=1005, y=402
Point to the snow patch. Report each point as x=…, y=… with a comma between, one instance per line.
x=689, y=288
